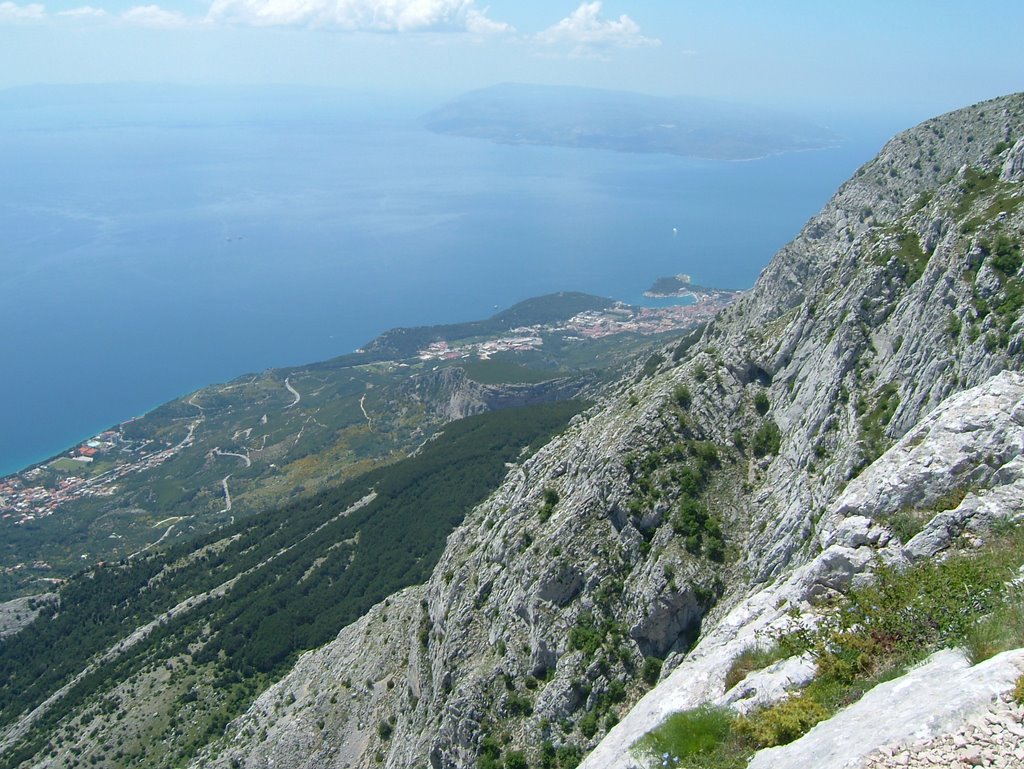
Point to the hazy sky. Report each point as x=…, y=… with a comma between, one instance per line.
x=910, y=57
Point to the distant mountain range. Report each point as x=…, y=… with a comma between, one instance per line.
x=514, y=113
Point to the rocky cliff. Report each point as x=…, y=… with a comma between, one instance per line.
x=450, y=394
x=694, y=509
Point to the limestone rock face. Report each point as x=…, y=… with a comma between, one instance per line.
x=453, y=395
x=952, y=452
x=870, y=373
x=849, y=542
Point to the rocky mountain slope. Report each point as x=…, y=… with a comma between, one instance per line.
x=862, y=405
x=663, y=529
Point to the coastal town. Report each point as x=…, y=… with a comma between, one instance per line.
x=593, y=324
x=90, y=469
x=93, y=468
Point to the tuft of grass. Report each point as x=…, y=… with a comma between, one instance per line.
x=702, y=737
x=750, y=659
x=1018, y=690
x=999, y=631
x=907, y=523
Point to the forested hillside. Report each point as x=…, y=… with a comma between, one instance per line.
x=230, y=612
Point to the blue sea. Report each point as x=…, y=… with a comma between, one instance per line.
x=155, y=244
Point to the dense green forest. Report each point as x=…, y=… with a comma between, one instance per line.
x=288, y=580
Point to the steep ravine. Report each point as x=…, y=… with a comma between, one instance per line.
x=667, y=523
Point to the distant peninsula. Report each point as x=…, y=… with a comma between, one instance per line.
x=561, y=116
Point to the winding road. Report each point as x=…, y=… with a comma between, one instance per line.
x=362, y=407
x=227, y=494
x=293, y=391
x=244, y=457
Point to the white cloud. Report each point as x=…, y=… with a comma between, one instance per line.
x=478, y=23
x=154, y=16
x=13, y=13
x=361, y=15
x=83, y=13
x=586, y=31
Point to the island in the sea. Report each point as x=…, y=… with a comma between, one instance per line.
x=560, y=116
x=682, y=285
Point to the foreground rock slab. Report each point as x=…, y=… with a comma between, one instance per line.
x=938, y=698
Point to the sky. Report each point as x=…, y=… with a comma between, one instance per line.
x=888, y=57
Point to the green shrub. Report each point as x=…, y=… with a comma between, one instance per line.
x=874, y=421
x=953, y=325
x=516, y=759
x=489, y=753
x=738, y=440
x=706, y=455
x=689, y=522
x=682, y=396
x=585, y=635
x=761, y=402
x=767, y=440
x=1018, y=690
x=588, y=724
x=651, y=671
x=551, y=499
x=518, y=704
x=783, y=722
x=1010, y=302
x=1003, y=254
x=714, y=541
x=616, y=691
x=568, y=756
x=548, y=756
